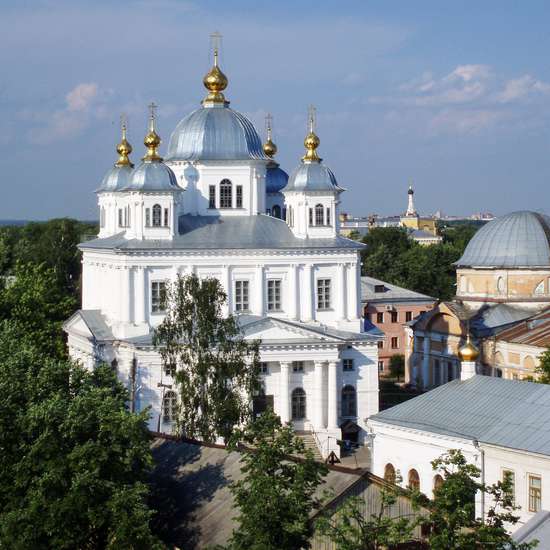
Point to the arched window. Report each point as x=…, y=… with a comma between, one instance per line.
x=539, y=289
x=414, y=479
x=170, y=406
x=298, y=404
x=276, y=211
x=226, y=194
x=389, y=473
x=319, y=214
x=349, y=401
x=157, y=215
x=438, y=482
x=501, y=285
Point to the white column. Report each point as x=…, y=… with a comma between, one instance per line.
x=258, y=291
x=125, y=274
x=354, y=284
x=294, y=292
x=341, y=289
x=318, y=419
x=333, y=395
x=426, y=362
x=308, y=294
x=139, y=295
x=284, y=392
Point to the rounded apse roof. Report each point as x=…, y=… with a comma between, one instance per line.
x=152, y=176
x=115, y=179
x=312, y=176
x=275, y=178
x=516, y=240
x=215, y=132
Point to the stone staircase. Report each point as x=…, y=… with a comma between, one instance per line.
x=310, y=443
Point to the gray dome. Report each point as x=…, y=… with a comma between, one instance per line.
x=215, y=132
x=275, y=178
x=152, y=176
x=312, y=176
x=519, y=239
x=115, y=179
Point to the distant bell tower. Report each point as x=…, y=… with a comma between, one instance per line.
x=411, y=211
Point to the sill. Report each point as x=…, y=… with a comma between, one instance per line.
x=242, y=311
x=275, y=311
x=157, y=227
x=348, y=370
x=325, y=309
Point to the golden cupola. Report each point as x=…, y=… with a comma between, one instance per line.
x=124, y=149
x=468, y=352
x=269, y=148
x=152, y=139
x=312, y=141
x=215, y=82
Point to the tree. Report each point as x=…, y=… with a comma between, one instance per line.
x=452, y=519
x=36, y=306
x=351, y=529
x=543, y=368
x=276, y=496
x=397, y=365
x=216, y=369
x=74, y=459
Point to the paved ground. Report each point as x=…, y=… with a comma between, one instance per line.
x=359, y=458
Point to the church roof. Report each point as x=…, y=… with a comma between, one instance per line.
x=519, y=239
x=507, y=413
x=116, y=179
x=275, y=178
x=374, y=290
x=152, y=176
x=228, y=232
x=312, y=176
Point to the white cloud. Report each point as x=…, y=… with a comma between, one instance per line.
x=464, y=121
x=81, y=96
x=520, y=88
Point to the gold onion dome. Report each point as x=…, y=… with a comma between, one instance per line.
x=468, y=352
x=312, y=141
x=124, y=149
x=269, y=148
x=152, y=139
x=215, y=82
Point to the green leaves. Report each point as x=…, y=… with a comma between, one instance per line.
x=216, y=369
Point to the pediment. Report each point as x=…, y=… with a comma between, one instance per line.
x=77, y=325
x=270, y=329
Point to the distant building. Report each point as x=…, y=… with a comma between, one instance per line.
x=503, y=281
x=389, y=307
x=501, y=426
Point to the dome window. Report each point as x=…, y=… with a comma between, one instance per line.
x=319, y=215
x=157, y=215
x=501, y=285
x=226, y=194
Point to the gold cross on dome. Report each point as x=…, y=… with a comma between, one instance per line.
x=312, y=118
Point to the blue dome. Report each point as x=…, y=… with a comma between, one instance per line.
x=115, y=179
x=275, y=178
x=312, y=176
x=152, y=176
x=519, y=239
x=215, y=132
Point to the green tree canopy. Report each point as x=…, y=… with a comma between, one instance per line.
x=543, y=368
x=216, y=370
x=74, y=460
x=276, y=496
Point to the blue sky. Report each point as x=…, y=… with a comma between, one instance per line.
x=453, y=95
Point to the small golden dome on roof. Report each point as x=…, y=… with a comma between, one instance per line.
x=152, y=139
x=270, y=149
x=312, y=141
x=124, y=148
x=468, y=352
x=215, y=82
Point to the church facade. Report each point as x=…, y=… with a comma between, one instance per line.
x=220, y=206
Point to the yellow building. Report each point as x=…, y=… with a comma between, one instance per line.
x=412, y=220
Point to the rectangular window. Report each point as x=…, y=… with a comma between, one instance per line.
x=535, y=494
x=226, y=194
x=147, y=217
x=380, y=317
x=242, y=296
x=274, y=295
x=120, y=218
x=158, y=296
x=264, y=369
x=239, y=196
x=319, y=215
x=347, y=365
x=166, y=217
x=297, y=366
x=408, y=316
x=394, y=342
x=510, y=477
x=328, y=216
x=394, y=316
x=212, y=196
x=323, y=294
x=380, y=344
x=379, y=288
x=381, y=366
x=311, y=216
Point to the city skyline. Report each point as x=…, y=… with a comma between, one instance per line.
x=456, y=100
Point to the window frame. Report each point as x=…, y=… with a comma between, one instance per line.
x=166, y=217
x=238, y=196
x=324, y=294
x=394, y=344
x=242, y=295
x=264, y=367
x=211, y=197
x=381, y=365
x=226, y=194
x=380, y=317
x=173, y=397
x=158, y=303
x=156, y=212
x=351, y=404
x=348, y=364
x=298, y=366
x=147, y=217
x=274, y=303
x=394, y=316
x=509, y=471
x=408, y=316
x=319, y=215
x=530, y=496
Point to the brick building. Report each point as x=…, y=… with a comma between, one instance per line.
x=389, y=307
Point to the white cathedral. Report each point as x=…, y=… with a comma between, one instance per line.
x=220, y=206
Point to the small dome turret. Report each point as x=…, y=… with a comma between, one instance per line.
x=119, y=175
x=468, y=352
x=214, y=80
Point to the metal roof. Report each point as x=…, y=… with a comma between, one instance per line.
x=215, y=132
x=115, y=179
x=312, y=176
x=491, y=319
x=275, y=178
x=534, y=331
x=259, y=232
x=390, y=293
x=152, y=176
x=507, y=413
x=519, y=239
